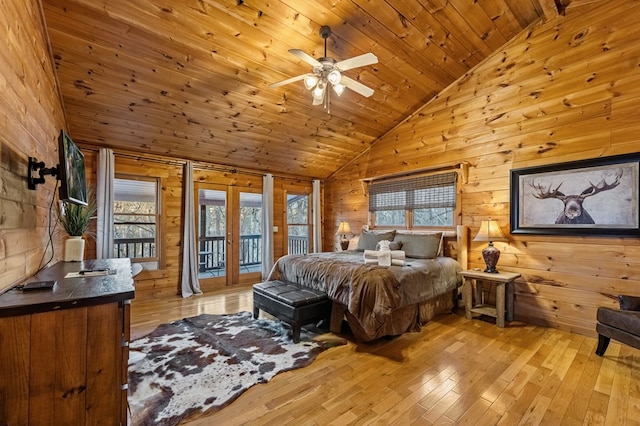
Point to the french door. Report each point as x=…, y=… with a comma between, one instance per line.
x=229, y=221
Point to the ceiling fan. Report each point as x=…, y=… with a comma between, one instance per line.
x=327, y=72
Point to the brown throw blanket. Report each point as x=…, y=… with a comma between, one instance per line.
x=372, y=294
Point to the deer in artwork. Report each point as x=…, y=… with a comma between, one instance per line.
x=574, y=213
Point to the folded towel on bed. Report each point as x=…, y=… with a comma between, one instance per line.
x=395, y=262
x=371, y=257
x=373, y=254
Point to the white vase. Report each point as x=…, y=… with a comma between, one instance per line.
x=74, y=249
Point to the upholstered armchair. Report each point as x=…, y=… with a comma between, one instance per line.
x=621, y=324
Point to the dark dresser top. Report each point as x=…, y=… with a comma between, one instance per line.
x=72, y=292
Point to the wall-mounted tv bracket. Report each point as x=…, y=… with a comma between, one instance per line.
x=38, y=166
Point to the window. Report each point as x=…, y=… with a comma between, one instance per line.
x=298, y=223
x=136, y=218
x=414, y=202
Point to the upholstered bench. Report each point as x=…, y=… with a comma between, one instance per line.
x=291, y=303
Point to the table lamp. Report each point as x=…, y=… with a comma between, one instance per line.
x=490, y=231
x=344, y=229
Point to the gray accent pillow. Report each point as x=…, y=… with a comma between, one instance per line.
x=369, y=240
x=421, y=246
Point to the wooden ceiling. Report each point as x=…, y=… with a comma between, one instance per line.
x=189, y=79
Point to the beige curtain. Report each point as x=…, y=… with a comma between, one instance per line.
x=104, y=204
x=317, y=217
x=267, y=224
x=189, y=281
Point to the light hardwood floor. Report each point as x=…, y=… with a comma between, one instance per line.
x=454, y=371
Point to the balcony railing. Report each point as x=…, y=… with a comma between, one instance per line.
x=298, y=245
x=212, y=250
x=211, y=253
x=134, y=247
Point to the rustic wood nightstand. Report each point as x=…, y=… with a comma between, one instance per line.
x=503, y=308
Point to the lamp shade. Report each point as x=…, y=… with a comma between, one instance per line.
x=343, y=228
x=334, y=77
x=490, y=231
x=310, y=81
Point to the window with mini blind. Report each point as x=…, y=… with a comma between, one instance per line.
x=423, y=201
x=136, y=216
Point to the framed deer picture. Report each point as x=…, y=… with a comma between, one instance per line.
x=589, y=197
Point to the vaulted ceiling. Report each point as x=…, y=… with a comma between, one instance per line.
x=190, y=78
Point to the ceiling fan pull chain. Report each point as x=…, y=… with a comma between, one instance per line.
x=327, y=104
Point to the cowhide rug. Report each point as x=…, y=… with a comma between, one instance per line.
x=203, y=363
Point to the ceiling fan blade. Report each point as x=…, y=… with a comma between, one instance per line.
x=356, y=86
x=357, y=61
x=308, y=59
x=287, y=81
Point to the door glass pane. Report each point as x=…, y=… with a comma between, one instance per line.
x=212, y=205
x=298, y=223
x=250, y=232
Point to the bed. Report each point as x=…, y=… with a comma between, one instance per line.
x=376, y=300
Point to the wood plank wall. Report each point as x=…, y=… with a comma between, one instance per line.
x=165, y=280
x=564, y=90
x=31, y=116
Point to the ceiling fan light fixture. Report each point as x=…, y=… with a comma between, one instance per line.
x=310, y=81
x=334, y=77
x=326, y=72
x=318, y=92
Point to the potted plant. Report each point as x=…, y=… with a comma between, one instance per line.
x=75, y=221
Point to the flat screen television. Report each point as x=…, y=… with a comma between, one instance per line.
x=71, y=172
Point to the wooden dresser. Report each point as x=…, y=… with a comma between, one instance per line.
x=64, y=351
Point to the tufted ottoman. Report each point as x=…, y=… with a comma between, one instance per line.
x=291, y=303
